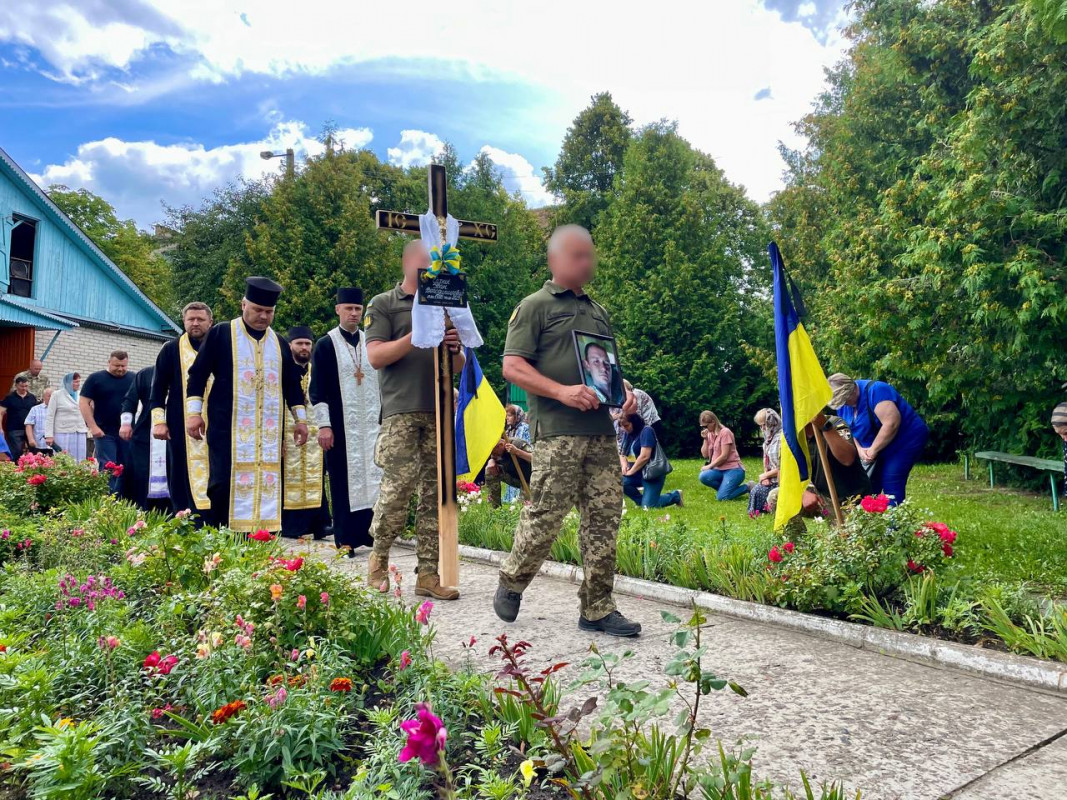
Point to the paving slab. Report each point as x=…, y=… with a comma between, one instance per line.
x=895, y=729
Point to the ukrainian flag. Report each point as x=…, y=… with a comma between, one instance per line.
x=479, y=420
x=802, y=390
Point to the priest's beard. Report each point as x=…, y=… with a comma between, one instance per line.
x=301, y=362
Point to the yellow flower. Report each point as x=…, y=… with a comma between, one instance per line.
x=65, y=722
x=527, y=770
x=275, y=592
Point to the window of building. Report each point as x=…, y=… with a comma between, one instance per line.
x=23, y=250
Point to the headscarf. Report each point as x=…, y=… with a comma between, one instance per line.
x=842, y=386
x=520, y=417
x=772, y=436
x=1059, y=416
x=68, y=384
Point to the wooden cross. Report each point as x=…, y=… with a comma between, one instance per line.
x=447, y=508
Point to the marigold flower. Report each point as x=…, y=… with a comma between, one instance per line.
x=276, y=592
x=223, y=713
x=341, y=685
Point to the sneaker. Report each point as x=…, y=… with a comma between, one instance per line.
x=614, y=624
x=506, y=603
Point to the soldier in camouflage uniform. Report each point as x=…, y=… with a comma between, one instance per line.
x=575, y=462
x=406, y=449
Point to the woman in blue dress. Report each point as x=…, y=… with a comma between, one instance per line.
x=889, y=433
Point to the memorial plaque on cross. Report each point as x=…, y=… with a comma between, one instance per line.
x=447, y=295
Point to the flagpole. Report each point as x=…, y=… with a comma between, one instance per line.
x=820, y=442
x=522, y=478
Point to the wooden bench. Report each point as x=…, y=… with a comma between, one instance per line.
x=1044, y=464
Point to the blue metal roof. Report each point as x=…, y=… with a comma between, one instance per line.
x=11, y=310
x=79, y=238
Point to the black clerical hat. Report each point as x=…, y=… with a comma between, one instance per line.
x=351, y=295
x=301, y=332
x=262, y=291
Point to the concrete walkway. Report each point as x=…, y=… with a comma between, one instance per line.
x=894, y=729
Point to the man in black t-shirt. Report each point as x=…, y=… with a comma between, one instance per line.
x=101, y=406
x=14, y=409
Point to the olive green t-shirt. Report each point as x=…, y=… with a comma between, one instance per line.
x=541, y=331
x=406, y=385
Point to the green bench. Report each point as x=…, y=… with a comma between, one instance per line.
x=1044, y=464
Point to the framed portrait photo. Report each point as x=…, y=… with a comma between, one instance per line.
x=598, y=366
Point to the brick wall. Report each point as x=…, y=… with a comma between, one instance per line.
x=86, y=350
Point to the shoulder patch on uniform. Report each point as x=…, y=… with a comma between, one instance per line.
x=366, y=321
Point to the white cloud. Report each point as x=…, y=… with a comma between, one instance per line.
x=416, y=148
x=704, y=73
x=136, y=177
x=519, y=176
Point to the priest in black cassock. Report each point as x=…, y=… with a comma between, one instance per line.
x=144, y=475
x=347, y=410
x=187, y=464
x=255, y=379
x=305, y=512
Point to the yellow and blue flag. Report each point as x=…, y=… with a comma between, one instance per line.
x=479, y=420
x=802, y=390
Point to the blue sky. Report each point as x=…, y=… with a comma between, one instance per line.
x=152, y=101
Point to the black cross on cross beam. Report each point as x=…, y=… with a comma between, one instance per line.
x=447, y=506
x=409, y=223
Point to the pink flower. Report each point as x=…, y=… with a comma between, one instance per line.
x=325, y=598
x=152, y=660
x=301, y=602
x=789, y=547
x=159, y=713
x=948, y=537
x=422, y=613
x=294, y=564
x=5, y=534
x=262, y=535
x=295, y=655
x=875, y=504
x=109, y=642
x=36, y=480
x=426, y=736
x=140, y=524
x=405, y=660
x=775, y=555
x=166, y=664
x=185, y=512
x=937, y=527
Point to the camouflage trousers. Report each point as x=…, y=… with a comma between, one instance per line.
x=406, y=452
x=571, y=472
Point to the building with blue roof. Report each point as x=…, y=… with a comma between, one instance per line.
x=61, y=299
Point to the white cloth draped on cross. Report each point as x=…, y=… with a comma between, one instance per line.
x=428, y=322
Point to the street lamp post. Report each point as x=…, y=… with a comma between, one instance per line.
x=290, y=159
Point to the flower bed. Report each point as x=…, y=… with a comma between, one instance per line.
x=883, y=567
x=141, y=657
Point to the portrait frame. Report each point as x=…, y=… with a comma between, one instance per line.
x=615, y=394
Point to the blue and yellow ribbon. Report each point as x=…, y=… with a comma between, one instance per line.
x=444, y=259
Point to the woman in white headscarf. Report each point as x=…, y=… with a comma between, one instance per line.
x=770, y=424
x=64, y=424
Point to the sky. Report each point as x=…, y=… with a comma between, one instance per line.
x=147, y=102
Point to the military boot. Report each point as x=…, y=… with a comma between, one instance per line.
x=378, y=573
x=429, y=585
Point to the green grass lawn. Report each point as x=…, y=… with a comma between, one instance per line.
x=1005, y=535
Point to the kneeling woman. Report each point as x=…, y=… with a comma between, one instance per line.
x=640, y=442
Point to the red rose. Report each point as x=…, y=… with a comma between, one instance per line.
x=789, y=547
x=914, y=567
x=875, y=504
x=262, y=535
x=774, y=555
x=36, y=480
x=948, y=537
x=946, y=548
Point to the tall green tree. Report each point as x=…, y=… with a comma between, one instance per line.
x=684, y=276
x=927, y=216
x=202, y=241
x=132, y=250
x=589, y=160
